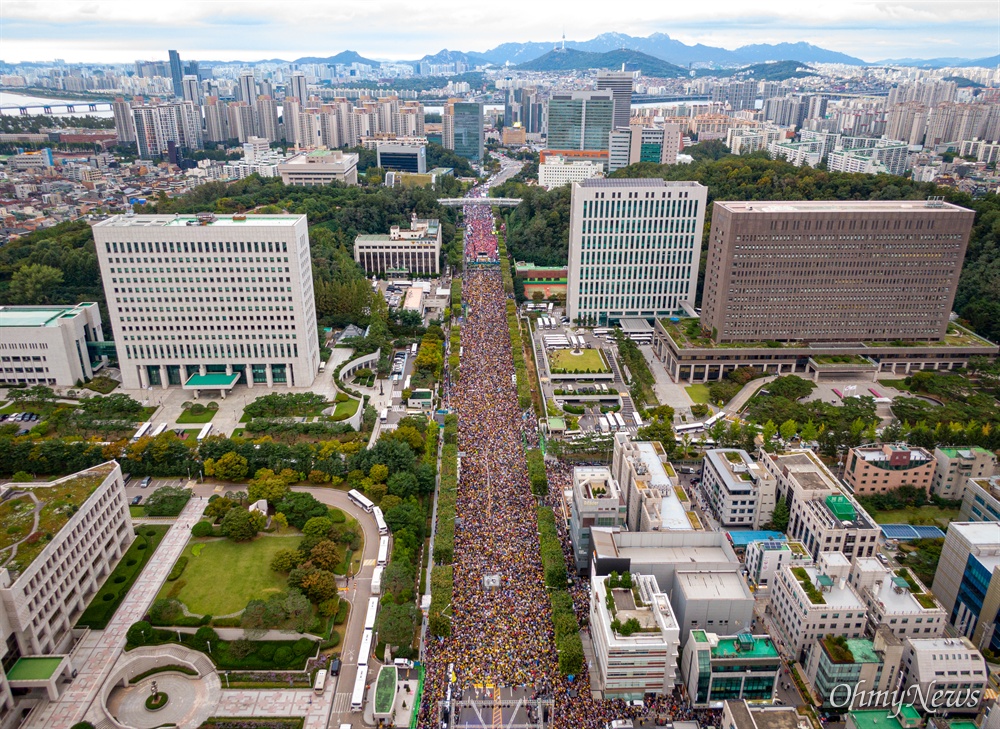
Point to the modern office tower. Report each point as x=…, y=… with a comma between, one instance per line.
x=737, y=95
x=216, y=120
x=320, y=167
x=402, y=157
x=242, y=124
x=192, y=89
x=907, y=122
x=266, y=116
x=833, y=271
x=463, y=129
x=231, y=302
x=523, y=105
x=739, y=492
x=620, y=84
x=637, y=143
x=580, y=120
x=157, y=126
x=634, y=248
x=416, y=251
x=247, y=87
x=967, y=581
x=176, y=74
x=124, y=124
x=297, y=86
x=743, y=666
x=48, y=345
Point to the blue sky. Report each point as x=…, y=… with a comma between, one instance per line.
x=118, y=30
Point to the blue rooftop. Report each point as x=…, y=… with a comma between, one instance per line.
x=740, y=539
x=906, y=532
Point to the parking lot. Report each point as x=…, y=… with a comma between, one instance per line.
x=135, y=487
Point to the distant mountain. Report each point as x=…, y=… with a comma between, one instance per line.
x=990, y=62
x=345, y=58
x=445, y=56
x=777, y=71
x=573, y=60
x=662, y=46
x=945, y=62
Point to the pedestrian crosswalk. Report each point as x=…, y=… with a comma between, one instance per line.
x=341, y=703
x=368, y=563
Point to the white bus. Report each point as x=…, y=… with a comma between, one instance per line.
x=358, y=697
x=638, y=418
x=406, y=383
x=361, y=500
x=383, y=529
x=159, y=430
x=714, y=419
x=320, y=681
x=377, y=580
x=371, y=614
x=205, y=432
x=384, y=415
x=689, y=428
x=143, y=430
x=383, y=551
x=413, y=349
x=620, y=420
x=364, y=652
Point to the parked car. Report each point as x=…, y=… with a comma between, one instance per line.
x=137, y=500
x=145, y=482
x=335, y=667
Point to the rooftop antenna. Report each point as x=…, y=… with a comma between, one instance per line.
x=564, y=39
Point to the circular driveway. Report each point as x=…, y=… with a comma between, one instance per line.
x=192, y=701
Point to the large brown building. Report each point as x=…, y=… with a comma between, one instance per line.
x=833, y=271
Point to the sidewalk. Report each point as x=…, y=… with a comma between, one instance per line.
x=96, y=654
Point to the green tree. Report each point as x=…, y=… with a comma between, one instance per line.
x=809, y=431
x=319, y=585
x=788, y=429
x=272, y=488
x=396, y=624
x=325, y=555
x=285, y=560
x=378, y=473
x=231, y=467
x=241, y=525
x=34, y=284
x=318, y=526
x=780, y=516
x=167, y=501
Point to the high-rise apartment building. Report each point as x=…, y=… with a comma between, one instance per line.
x=159, y=125
x=192, y=89
x=580, y=120
x=298, y=87
x=124, y=124
x=176, y=74
x=216, y=120
x=463, y=129
x=266, y=117
x=207, y=302
x=247, y=87
x=737, y=95
x=620, y=84
x=833, y=271
x=634, y=248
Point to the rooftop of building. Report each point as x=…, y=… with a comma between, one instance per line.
x=54, y=503
x=323, y=156
x=899, y=593
x=990, y=485
x=807, y=469
x=758, y=646
x=979, y=533
x=637, y=183
x=738, y=470
x=875, y=719
x=839, y=206
x=830, y=592
x=964, y=452
x=882, y=452
x=207, y=220
x=772, y=717
x=704, y=585
x=35, y=668
x=39, y=316
x=849, y=650
x=744, y=538
x=596, y=482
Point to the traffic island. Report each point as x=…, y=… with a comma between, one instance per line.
x=157, y=701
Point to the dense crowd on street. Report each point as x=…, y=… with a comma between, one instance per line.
x=502, y=635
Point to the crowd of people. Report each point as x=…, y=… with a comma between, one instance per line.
x=501, y=625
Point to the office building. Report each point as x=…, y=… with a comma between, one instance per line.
x=50, y=345
x=896, y=267
x=232, y=302
x=634, y=248
x=515, y=136
x=402, y=157
x=597, y=501
x=557, y=171
x=981, y=500
x=821, y=515
x=741, y=715
x=320, y=167
x=463, y=130
x=742, y=666
x=580, y=120
x=620, y=84
x=46, y=586
x=955, y=466
x=933, y=663
x=877, y=469
x=413, y=252
x=804, y=598
x=967, y=581
x=739, y=492
x=630, y=662
x=836, y=663
x=898, y=601
x=638, y=143
x=176, y=74
x=763, y=559
x=650, y=486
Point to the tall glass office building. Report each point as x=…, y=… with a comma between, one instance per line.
x=463, y=129
x=581, y=120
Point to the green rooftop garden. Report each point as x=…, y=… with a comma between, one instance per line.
x=835, y=359
x=837, y=648
x=734, y=457
x=22, y=541
x=33, y=669
x=385, y=689
x=568, y=361
x=814, y=595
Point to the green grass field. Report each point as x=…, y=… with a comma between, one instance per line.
x=698, y=393
x=188, y=417
x=588, y=359
x=224, y=576
x=346, y=409
x=924, y=515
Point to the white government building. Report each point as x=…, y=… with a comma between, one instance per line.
x=47, y=345
x=416, y=251
x=634, y=248
x=559, y=171
x=207, y=302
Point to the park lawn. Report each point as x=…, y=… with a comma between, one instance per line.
x=225, y=575
x=588, y=359
x=923, y=515
x=698, y=393
x=346, y=409
x=137, y=512
x=188, y=417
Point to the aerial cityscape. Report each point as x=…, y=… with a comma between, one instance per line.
x=619, y=370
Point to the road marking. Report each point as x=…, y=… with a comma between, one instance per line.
x=368, y=563
x=341, y=703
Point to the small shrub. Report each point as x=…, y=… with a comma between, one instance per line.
x=202, y=529
x=240, y=649
x=178, y=569
x=303, y=646
x=119, y=579
x=267, y=651
x=283, y=656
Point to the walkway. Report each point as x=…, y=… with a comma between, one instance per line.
x=666, y=390
x=96, y=654
x=734, y=406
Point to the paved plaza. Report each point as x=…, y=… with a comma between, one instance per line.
x=191, y=701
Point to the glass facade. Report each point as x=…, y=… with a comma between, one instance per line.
x=468, y=121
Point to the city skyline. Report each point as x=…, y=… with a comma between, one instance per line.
x=115, y=31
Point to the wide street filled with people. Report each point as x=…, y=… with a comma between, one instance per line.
x=503, y=635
